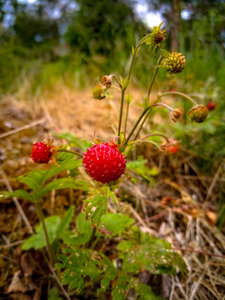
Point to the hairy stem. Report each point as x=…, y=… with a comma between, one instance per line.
x=121, y=112
x=155, y=134
x=135, y=54
x=135, y=126
x=163, y=104
x=42, y=220
x=153, y=77
x=142, y=124
x=123, y=89
x=180, y=94
x=126, y=118
x=148, y=95
x=113, y=76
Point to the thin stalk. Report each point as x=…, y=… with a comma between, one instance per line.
x=148, y=94
x=42, y=220
x=135, y=53
x=163, y=104
x=134, y=128
x=121, y=113
x=153, y=77
x=141, y=126
x=128, y=78
x=180, y=94
x=155, y=134
x=71, y=151
x=113, y=76
x=56, y=277
x=126, y=118
x=92, y=237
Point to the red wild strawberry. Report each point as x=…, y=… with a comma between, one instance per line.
x=211, y=105
x=41, y=153
x=171, y=148
x=104, y=162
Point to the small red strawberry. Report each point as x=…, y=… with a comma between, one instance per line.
x=41, y=153
x=104, y=162
x=171, y=148
x=211, y=105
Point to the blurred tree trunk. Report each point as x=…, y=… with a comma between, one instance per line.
x=175, y=24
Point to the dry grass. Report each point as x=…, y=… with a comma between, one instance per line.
x=184, y=221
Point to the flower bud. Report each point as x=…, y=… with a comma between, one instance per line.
x=198, y=113
x=177, y=114
x=158, y=36
x=107, y=81
x=174, y=62
x=98, y=92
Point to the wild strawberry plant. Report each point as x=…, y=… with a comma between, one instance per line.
x=75, y=252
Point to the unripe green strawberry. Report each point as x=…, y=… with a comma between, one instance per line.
x=198, y=113
x=104, y=162
x=174, y=62
x=98, y=92
x=158, y=36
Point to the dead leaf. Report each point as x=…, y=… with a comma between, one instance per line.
x=20, y=296
x=17, y=284
x=212, y=217
x=167, y=200
x=27, y=264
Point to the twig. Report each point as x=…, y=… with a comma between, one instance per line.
x=197, y=286
x=23, y=127
x=198, y=251
x=49, y=117
x=13, y=244
x=209, y=194
x=42, y=220
x=16, y=202
x=57, y=279
x=140, y=220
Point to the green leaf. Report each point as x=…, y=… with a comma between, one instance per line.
x=56, y=229
x=84, y=231
x=113, y=198
x=65, y=222
x=121, y=287
x=74, y=141
x=54, y=295
x=36, y=179
x=150, y=253
x=125, y=282
x=116, y=222
x=139, y=168
x=63, y=183
x=38, y=241
x=17, y=193
x=143, y=291
x=128, y=98
x=125, y=84
x=82, y=265
x=95, y=208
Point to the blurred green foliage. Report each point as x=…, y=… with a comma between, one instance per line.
x=48, y=43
